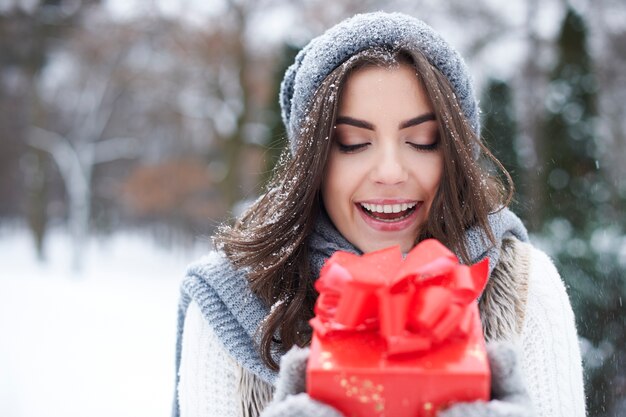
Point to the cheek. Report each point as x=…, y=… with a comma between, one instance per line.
x=430, y=175
x=332, y=185
x=328, y=179
x=437, y=174
x=339, y=175
x=342, y=179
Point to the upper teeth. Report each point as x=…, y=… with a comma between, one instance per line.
x=388, y=208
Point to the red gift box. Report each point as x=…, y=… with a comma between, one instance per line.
x=396, y=337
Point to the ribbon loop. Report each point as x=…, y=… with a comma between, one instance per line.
x=412, y=303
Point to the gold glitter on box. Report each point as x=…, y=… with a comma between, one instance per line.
x=365, y=390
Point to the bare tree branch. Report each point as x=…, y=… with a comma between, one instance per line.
x=115, y=148
x=65, y=156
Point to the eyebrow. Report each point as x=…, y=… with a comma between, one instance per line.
x=346, y=120
x=418, y=120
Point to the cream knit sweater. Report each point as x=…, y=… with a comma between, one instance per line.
x=550, y=355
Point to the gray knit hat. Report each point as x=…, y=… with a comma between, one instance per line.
x=363, y=31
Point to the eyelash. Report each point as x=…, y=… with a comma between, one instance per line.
x=425, y=148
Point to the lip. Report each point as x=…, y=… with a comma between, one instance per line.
x=385, y=226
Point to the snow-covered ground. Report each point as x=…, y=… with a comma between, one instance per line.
x=96, y=344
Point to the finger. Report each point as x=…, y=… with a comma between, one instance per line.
x=292, y=375
x=506, y=379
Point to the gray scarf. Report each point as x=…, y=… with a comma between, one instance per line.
x=235, y=313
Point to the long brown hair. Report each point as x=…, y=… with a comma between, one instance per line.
x=269, y=239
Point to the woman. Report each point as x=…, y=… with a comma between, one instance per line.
x=384, y=149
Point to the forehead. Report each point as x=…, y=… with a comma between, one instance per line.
x=378, y=91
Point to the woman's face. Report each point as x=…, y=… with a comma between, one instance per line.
x=385, y=163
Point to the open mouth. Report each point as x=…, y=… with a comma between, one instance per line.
x=388, y=213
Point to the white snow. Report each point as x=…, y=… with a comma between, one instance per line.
x=96, y=344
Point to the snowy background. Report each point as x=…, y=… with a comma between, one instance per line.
x=100, y=343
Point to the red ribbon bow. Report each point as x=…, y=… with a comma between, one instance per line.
x=413, y=303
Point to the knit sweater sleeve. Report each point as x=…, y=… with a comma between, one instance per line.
x=551, y=360
x=208, y=374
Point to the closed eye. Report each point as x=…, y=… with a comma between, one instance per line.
x=426, y=148
x=351, y=148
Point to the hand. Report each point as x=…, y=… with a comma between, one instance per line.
x=290, y=398
x=510, y=398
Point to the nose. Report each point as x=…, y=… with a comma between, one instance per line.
x=389, y=167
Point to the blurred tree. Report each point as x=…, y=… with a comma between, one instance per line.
x=80, y=103
x=609, y=53
x=580, y=216
x=499, y=129
x=27, y=35
x=568, y=142
x=529, y=82
x=224, y=88
x=234, y=143
x=179, y=191
x=36, y=184
x=277, y=135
